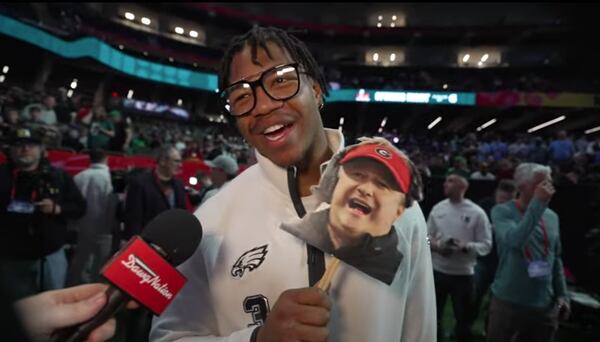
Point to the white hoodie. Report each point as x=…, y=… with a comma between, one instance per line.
x=245, y=261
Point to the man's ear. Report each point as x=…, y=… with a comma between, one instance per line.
x=400, y=210
x=318, y=93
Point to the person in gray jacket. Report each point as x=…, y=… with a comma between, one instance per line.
x=94, y=229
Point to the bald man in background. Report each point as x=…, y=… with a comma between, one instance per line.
x=459, y=230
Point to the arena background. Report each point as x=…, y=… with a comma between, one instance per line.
x=439, y=80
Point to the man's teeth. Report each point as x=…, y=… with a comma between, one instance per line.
x=364, y=208
x=272, y=129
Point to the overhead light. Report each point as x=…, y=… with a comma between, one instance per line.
x=130, y=94
x=121, y=47
x=217, y=90
x=383, y=122
x=193, y=34
x=69, y=93
x=392, y=57
x=592, y=130
x=480, y=63
x=466, y=58
x=341, y=120
x=74, y=84
x=380, y=17
x=445, y=86
x=340, y=128
x=394, y=17
x=5, y=69
x=393, y=25
x=485, y=57
x=171, y=59
x=379, y=25
x=2, y=78
x=546, y=124
x=375, y=56
x=434, y=122
x=396, y=140
x=193, y=180
x=179, y=102
x=486, y=125
x=380, y=130
x=179, y=30
x=145, y=21
x=129, y=16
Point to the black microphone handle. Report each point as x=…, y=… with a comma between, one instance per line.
x=116, y=301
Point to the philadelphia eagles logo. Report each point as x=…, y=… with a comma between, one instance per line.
x=249, y=261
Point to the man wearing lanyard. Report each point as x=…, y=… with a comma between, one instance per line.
x=35, y=202
x=148, y=195
x=529, y=290
x=151, y=193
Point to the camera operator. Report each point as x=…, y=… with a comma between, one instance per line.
x=36, y=200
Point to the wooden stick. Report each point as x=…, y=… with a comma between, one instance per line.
x=325, y=281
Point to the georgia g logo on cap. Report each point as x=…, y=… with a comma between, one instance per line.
x=384, y=153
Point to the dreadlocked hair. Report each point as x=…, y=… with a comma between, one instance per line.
x=258, y=37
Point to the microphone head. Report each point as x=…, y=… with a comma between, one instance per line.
x=176, y=232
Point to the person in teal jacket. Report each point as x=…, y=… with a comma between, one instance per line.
x=529, y=290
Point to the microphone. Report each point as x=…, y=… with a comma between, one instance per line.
x=143, y=270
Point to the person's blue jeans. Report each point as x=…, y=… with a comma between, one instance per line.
x=24, y=278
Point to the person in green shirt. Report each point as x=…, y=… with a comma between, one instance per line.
x=529, y=290
x=101, y=130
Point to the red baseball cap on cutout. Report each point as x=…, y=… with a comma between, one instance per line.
x=386, y=156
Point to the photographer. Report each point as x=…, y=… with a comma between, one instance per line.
x=36, y=200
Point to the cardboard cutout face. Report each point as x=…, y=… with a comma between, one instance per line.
x=364, y=201
x=360, y=199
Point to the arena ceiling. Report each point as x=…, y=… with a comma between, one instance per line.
x=557, y=36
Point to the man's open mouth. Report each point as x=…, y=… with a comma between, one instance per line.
x=276, y=132
x=360, y=206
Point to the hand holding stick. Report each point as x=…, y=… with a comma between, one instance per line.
x=325, y=281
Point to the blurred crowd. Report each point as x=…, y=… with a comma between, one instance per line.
x=494, y=157
x=76, y=123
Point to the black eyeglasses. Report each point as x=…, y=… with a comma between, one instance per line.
x=280, y=83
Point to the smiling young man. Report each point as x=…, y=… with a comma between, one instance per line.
x=249, y=280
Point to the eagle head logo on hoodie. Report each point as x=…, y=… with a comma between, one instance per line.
x=250, y=261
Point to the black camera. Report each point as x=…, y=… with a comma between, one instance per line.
x=47, y=182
